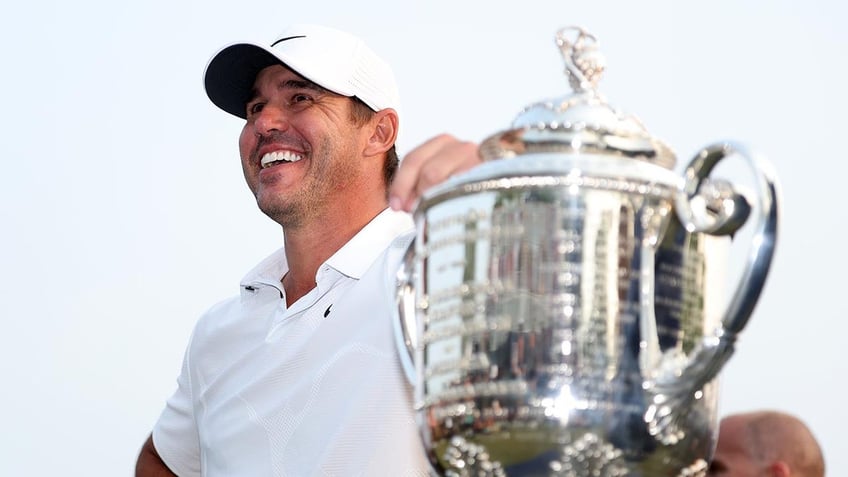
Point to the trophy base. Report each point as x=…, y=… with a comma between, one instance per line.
x=619, y=447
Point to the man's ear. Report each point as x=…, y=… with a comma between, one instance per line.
x=779, y=469
x=384, y=131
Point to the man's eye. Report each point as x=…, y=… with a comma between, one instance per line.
x=254, y=108
x=300, y=97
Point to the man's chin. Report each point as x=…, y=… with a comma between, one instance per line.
x=284, y=214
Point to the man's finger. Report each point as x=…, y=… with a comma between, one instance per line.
x=404, y=188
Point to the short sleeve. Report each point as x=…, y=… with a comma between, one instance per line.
x=175, y=433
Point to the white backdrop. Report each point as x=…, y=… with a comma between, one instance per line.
x=124, y=213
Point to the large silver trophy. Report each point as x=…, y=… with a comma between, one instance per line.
x=563, y=308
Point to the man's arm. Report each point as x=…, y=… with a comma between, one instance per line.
x=150, y=464
x=429, y=164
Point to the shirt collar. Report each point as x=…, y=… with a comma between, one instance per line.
x=267, y=273
x=352, y=260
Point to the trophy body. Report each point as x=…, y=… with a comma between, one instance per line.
x=562, y=306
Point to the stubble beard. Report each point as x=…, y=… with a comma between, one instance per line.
x=329, y=171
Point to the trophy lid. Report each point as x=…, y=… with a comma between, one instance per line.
x=581, y=122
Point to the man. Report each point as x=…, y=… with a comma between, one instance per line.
x=299, y=375
x=766, y=443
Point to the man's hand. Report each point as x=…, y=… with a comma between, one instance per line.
x=430, y=164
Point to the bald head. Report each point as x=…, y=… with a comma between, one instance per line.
x=766, y=443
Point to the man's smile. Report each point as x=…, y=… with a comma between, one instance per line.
x=279, y=157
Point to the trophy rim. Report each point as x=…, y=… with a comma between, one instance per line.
x=621, y=174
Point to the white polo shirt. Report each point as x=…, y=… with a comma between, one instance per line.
x=313, y=390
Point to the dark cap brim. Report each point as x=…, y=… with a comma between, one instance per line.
x=230, y=75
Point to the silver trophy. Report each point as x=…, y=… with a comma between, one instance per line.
x=562, y=309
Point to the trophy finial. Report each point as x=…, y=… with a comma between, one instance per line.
x=584, y=62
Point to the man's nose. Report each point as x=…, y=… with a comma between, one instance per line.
x=271, y=118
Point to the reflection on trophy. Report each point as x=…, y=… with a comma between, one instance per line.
x=562, y=307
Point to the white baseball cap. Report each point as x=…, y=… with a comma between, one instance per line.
x=332, y=59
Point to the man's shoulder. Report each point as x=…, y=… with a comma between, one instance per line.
x=393, y=252
x=218, y=313
x=228, y=323
x=382, y=275
x=403, y=240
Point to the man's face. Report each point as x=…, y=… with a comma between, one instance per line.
x=299, y=147
x=734, y=456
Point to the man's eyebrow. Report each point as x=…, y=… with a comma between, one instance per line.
x=301, y=84
x=294, y=83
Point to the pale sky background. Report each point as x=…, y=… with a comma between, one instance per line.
x=125, y=216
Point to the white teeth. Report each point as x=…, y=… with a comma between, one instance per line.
x=279, y=156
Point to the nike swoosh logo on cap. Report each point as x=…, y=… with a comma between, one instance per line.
x=286, y=38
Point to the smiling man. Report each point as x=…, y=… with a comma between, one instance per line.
x=299, y=374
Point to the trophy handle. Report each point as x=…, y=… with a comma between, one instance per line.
x=712, y=207
x=405, y=324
